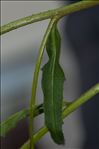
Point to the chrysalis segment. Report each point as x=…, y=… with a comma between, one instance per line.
x=52, y=84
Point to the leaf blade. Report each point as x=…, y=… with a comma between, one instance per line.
x=12, y=121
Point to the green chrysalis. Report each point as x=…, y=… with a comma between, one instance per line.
x=52, y=84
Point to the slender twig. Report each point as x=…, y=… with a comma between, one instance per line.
x=62, y=11
x=77, y=103
x=35, y=78
x=81, y=100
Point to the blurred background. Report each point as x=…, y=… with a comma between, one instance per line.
x=79, y=59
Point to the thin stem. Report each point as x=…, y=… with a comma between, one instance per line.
x=35, y=78
x=81, y=100
x=62, y=11
x=73, y=106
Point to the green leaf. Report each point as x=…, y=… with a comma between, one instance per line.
x=52, y=84
x=12, y=121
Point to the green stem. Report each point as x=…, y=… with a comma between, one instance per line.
x=73, y=106
x=35, y=78
x=81, y=100
x=62, y=11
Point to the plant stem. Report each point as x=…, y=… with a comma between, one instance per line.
x=81, y=100
x=62, y=11
x=73, y=106
x=35, y=78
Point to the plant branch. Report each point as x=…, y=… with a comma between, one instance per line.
x=35, y=78
x=81, y=100
x=62, y=11
x=72, y=107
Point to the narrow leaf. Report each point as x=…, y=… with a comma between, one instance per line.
x=12, y=121
x=52, y=84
